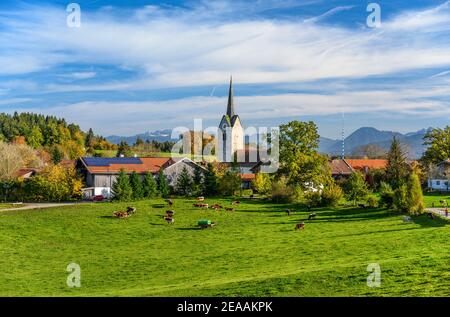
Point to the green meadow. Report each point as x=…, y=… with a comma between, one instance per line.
x=253, y=251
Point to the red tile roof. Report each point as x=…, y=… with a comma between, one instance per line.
x=149, y=164
x=247, y=177
x=361, y=164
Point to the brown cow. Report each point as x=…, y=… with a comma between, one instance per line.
x=170, y=213
x=169, y=202
x=236, y=202
x=229, y=209
x=120, y=214
x=300, y=226
x=201, y=198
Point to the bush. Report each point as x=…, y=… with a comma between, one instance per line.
x=247, y=192
x=314, y=199
x=372, y=202
x=282, y=192
x=262, y=183
x=386, y=195
x=331, y=195
x=401, y=199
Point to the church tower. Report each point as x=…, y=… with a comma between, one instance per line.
x=231, y=132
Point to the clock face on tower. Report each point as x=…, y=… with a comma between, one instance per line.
x=224, y=126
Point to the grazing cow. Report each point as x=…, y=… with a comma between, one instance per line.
x=169, y=220
x=120, y=214
x=252, y=196
x=407, y=219
x=201, y=205
x=362, y=206
x=131, y=210
x=300, y=226
x=169, y=202
x=201, y=198
x=236, y=202
x=170, y=213
x=312, y=216
x=288, y=212
x=430, y=215
x=229, y=209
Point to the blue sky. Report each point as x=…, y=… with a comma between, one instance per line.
x=135, y=66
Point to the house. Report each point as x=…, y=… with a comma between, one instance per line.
x=440, y=178
x=340, y=169
x=100, y=173
x=25, y=173
x=366, y=165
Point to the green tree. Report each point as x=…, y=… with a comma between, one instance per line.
x=121, y=189
x=136, y=186
x=408, y=197
x=211, y=181
x=163, y=185
x=90, y=139
x=124, y=149
x=184, y=183
x=35, y=138
x=355, y=188
x=229, y=183
x=262, y=183
x=397, y=168
x=56, y=154
x=149, y=186
x=299, y=160
x=438, y=142
x=198, y=181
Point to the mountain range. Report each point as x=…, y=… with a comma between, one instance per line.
x=413, y=142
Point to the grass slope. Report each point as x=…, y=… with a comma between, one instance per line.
x=253, y=251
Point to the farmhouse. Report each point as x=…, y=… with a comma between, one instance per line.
x=440, y=178
x=100, y=173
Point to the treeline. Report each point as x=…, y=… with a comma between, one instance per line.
x=52, y=183
x=51, y=134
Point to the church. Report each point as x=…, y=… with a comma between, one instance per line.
x=231, y=132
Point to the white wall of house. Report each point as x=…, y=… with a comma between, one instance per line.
x=439, y=184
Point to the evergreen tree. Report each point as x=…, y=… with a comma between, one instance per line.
x=415, y=195
x=90, y=139
x=211, y=181
x=121, y=189
x=136, y=186
x=355, y=188
x=397, y=168
x=56, y=154
x=149, y=186
x=123, y=149
x=198, y=181
x=163, y=185
x=184, y=183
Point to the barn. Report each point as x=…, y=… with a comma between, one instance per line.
x=100, y=173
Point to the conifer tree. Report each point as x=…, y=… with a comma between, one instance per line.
x=150, y=188
x=136, y=186
x=163, y=185
x=397, y=168
x=184, y=183
x=211, y=181
x=121, y=188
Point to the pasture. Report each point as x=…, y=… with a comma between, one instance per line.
x=253, y=251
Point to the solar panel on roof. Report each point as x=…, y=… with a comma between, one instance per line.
x=107, y=161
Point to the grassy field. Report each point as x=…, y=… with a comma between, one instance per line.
x=253, y=251
x=436, y=198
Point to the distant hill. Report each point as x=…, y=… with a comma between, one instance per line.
x=159, y=135
x=363, y=136
x=413, y=142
